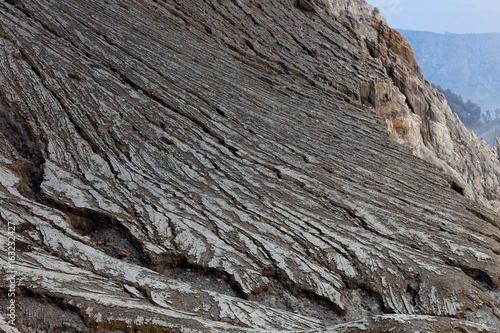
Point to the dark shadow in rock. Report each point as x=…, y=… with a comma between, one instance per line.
x=178, y=268
x=45, y=313
x=107, y=233
x=361, y=303
x=482, y=216
x=456, y=187
x=305, y=5
x=27, y=146
x=481, y=277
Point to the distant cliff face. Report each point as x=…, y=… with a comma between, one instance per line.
x=465, y=63
x=223, y=166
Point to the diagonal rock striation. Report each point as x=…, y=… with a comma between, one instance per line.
x=223, y=166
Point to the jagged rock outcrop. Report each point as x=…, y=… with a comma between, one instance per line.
x=418, y=116
x=209, y=166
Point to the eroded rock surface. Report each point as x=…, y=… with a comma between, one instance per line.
x=220, y=166
x=418, y=116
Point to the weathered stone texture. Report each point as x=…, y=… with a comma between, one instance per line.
x=209, y=166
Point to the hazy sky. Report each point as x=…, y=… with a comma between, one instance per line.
x=456, y=16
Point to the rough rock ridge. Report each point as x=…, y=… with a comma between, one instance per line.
x=417, y=115
x=220, y=166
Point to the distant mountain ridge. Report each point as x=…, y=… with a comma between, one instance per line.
x=468, y=64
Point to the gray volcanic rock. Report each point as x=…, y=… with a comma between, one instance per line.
x=221, y=166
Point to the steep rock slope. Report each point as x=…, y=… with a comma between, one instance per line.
x=418, y=116
x=209, y=166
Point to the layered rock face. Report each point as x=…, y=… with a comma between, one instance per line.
x=417, y=116
x=222, y=166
